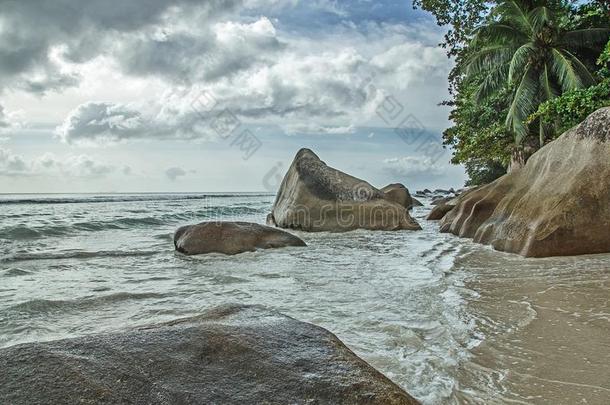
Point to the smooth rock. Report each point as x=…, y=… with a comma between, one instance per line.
x=558, y=204
x=315, y=197
x=416, y=202
x=398, y=194
x=228, y=355
x=231, y=238
x=441, y=209
x=441, y=200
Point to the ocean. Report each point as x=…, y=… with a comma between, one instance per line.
x=448, y=320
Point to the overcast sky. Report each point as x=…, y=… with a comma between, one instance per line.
x=217, y=95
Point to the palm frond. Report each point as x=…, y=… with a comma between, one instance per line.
x=494, y=80
x=487, y=58
x=567, y=76
x=547, y=87
x=520, y=59
x=523, y=104
x=540, y=16
x=513, y=14
x=586, y=37
x=497, y=33
x=586, y=78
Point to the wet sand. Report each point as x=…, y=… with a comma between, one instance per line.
x=545, y=326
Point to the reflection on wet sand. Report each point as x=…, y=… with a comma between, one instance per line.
x=546, y=324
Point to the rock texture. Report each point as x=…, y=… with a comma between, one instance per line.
x=314, y=197
x=231, y=238
x=416, y=202
x=228, y=355
x=398, y=194
x=558, y=204
x=441, y=200
x=441, y=209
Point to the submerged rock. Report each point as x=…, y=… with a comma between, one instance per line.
x=315, y=197
x=398, y=194
x=228, y=355
x=231, y=238
x=558, y=204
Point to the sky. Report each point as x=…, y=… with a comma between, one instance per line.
x=218, y=95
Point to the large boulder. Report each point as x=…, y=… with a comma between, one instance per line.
x=440, y=209
x=231, y=238
x=314, y=197
x=398, y=194
x=557, y=204
x=228, y=355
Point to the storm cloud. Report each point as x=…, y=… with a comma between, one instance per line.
x=33, y=35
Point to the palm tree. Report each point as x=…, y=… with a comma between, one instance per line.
x=522, y=47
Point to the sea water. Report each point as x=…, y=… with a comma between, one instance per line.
x=407, y=302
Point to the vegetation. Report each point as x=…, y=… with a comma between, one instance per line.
x=525, y=71
x=562, y=113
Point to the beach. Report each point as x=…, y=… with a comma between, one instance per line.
x=448, y=320
x=546, y=323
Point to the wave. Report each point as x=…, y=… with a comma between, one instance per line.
x=74, y=255
x=42, y=306
x=15, y=273
x=18, y=232
x=80, y=199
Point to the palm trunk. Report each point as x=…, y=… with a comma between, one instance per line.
x=517, y=159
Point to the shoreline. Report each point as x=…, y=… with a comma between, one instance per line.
x=546, y=325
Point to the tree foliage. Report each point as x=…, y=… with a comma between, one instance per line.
x=573, y=107
x=514, y=61
x=529, y=50
x=461, y=17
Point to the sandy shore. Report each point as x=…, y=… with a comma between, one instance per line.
x=545, y=325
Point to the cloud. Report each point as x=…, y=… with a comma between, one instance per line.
x=3, y=119
x=9, y=120
x=190, y=54
x=410, y=167
x=325, y=93
x=114, y=122
x=173, y=173
x=85, y=166
x=13, y=165
x=237, y=51
x=31, y=31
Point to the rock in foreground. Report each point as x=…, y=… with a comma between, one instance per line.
x=231, y=238
x=228, y=355
x=558, y=204
x=314, y=197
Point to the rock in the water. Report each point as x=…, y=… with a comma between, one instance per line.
x=398, y=194
x=416, y=202
x=558, y=204
x=228, y=355
x=440, y=200
x=441, y=209
x=231, y=238
x=314, y=197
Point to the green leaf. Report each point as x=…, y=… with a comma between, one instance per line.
x=520, y=59
x=523, y=104
x=565, y=71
